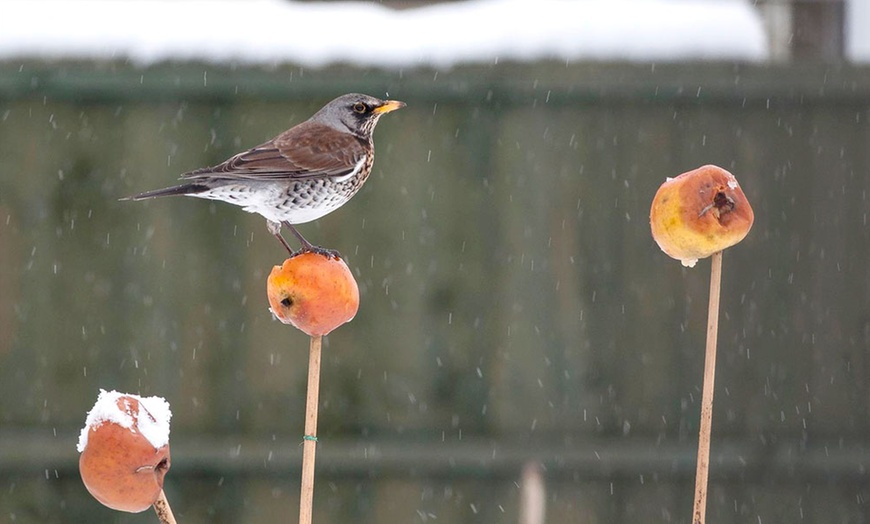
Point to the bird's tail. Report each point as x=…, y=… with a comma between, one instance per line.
x=183, y=189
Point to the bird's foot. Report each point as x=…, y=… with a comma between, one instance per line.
x=328, y=253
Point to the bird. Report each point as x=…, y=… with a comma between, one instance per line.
x=300, y=175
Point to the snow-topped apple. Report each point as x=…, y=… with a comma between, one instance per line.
x=124, y=450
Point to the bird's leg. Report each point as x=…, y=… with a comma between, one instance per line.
x=275, y=229
x=308, y=247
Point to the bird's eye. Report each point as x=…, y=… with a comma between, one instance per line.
x=359, y=107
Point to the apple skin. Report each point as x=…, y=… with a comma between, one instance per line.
x=313, y=292
x=699, y=213
x=120, y=467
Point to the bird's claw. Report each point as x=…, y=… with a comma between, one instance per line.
x=328, y=253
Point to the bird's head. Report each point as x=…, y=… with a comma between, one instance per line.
x=356, y=113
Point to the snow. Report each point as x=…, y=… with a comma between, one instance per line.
x=270, y=32
x=688, y=262
x=858, y=30
x=154, y=426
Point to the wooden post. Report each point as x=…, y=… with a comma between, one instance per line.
x=703, y=467
x=164, y=512
x=309, y=443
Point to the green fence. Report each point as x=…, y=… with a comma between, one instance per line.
x=514, y=306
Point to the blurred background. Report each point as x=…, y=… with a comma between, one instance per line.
x=524, y=352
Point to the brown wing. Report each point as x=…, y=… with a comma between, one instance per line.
x=309, y=150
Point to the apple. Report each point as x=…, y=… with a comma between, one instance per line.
x=699, y=213
x=124, y=450
x=315, y=293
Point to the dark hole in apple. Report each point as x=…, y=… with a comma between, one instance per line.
x=287, y=302
x=723, y=202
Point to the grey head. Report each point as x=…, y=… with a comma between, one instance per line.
x=355, y=113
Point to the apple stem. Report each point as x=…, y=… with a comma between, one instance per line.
x=706, y=425
x=309, y=443
x=164, y=512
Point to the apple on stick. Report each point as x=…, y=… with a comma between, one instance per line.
x=696, y=215
x=124, y=450
x=699, y=213
x=313, y=292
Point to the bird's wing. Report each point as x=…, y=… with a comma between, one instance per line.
x=309, y=150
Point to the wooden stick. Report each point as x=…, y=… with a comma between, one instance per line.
x=164, y=512
x=306, y=503
x=700, y=508
x=533, y=494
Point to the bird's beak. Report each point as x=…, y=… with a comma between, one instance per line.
x=389, y=105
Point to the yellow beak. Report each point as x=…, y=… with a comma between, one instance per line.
x=389, y=105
